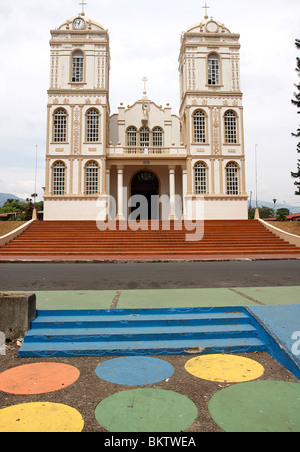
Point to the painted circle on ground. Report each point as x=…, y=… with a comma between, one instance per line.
x=258, y=406
x=134, y=370
x=38, y=378
x=40, y=417
x=146, y=410
x=224, y=368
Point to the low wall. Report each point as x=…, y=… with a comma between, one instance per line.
x=16, y=313
x=291, y=238
x=15, y=233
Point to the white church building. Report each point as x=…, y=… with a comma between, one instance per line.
x=94, y=155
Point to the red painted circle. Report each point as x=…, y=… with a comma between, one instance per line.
x=38, y=378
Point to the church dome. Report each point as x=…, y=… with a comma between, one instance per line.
x=208, y=25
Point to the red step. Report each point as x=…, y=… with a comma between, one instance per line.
x=83, y=238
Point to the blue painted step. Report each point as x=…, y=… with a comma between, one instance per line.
x=135, y=334
x=132, y=332
x=138, y=318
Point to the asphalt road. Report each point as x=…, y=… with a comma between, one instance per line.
x=115, y=276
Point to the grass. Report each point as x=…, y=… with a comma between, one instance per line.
x=8, y=226
x=293, y=227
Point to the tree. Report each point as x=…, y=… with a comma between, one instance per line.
x=266, y=212
x=296, y=102
x=13, y=205
x=283, y=210
x=22, y=209
x=28, y=209
x=282, y=213
x=251, y=213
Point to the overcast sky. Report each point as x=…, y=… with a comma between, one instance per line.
x=145, y=41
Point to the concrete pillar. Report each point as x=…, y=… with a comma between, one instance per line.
x=184, y=191
x=108, y=181
x=172, y=191
x=120, y=215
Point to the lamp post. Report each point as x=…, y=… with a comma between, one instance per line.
x=274, y=201
x=256, y=216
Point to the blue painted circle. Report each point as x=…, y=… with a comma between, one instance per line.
x=134, y=370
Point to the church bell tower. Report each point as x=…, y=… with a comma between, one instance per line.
x=77, y=122
x=211, y=113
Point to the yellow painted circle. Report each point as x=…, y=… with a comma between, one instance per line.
x=224, y=368
x=40, y=417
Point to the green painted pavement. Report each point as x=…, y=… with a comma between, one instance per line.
x=167, y=298
x=74, y=299
x=146, y=410
x=260, y=406
x=273, y=295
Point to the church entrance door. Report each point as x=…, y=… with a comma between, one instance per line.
x=145, y=183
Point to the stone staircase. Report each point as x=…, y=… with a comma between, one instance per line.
x=141, y=332
x=84, y=240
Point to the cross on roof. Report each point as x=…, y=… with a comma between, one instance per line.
x=83, y=4
x=206, y=8
x=145, y=80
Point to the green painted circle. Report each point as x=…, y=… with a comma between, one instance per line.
x=259, y=406
x=146, y=410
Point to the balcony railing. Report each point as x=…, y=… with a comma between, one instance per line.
x=149, y=150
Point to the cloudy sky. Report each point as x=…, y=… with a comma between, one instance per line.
x=145, y=41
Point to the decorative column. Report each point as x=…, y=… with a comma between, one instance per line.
x=103, y=176
x=48, y=188
x=80, y=188
x=71, y=173
x=189, y=176
x=243, y=182
x=107, y=187
x=108, y=181
x=221, y=178
x=172, y=191
x=184, y=191
x=212, y=177
x=120, y=215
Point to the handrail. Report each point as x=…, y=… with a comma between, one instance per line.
x=15, y=233
x=146, y=150
x=288, y=237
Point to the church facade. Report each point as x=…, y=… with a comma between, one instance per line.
x=98, y=163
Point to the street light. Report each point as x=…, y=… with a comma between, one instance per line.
x=256, y=146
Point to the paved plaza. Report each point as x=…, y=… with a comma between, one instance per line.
x=183, y=393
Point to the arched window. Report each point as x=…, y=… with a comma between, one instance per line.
x=77, y=67
x=144, y=137
x=199, y=126
x=91, y=178
x=59, y=178
x=131, y=136
x=213, y=69
x=232, y=176
x=157, y=137
x=230, y=127
x=60, y=126
x=200, y=178
x=92, y=125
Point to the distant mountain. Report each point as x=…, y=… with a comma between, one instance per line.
x=5, y=196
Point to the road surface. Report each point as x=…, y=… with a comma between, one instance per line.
x=115, y=276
